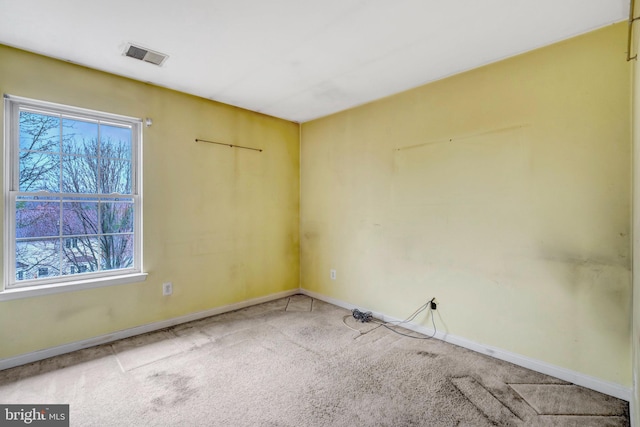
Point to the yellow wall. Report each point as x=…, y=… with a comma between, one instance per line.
x=503, y=191
x=220, y=223
x=635, y=399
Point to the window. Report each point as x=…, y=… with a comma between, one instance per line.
x=71, y=242
x=73, y=189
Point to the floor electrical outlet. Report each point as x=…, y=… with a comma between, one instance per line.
x=167, y=288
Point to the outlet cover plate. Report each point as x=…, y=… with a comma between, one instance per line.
x=167, y=288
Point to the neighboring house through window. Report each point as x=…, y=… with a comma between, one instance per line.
x=73, y=191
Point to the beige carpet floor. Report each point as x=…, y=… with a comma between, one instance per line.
x=293, y=362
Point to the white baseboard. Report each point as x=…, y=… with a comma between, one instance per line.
x=609, y=388
x=150, y=327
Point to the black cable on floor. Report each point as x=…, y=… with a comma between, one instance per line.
x=362, y=317
x=366, y=317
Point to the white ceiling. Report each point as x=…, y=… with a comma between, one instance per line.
x=297, y=59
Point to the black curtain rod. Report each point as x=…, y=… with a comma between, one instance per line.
x=228, y=145
x=630, y=31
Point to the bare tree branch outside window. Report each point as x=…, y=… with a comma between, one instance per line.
x=85, y=220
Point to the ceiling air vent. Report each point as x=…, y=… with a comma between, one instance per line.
x=145, y=55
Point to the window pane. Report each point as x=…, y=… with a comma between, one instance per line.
x=115, y=176
x=80, y=174
x=79, y=137
x=79, y=218
x=37, y=258
x=117, y=252
x=115, y=142
x=81, y=255
x=39, y=132
x=116, y=217
x=39, y=171
x=37, y=219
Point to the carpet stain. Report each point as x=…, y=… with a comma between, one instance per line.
x=177, y=388
x=427, y=354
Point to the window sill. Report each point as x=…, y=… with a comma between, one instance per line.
x=36, y=291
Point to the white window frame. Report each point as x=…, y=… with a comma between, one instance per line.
x=13, y=289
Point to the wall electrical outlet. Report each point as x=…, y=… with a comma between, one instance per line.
x=167, y=288
x=333, y=274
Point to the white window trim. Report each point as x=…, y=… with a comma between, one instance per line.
x=77, y=285
x=12, y=104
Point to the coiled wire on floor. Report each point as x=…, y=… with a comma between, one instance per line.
x=367, y=317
